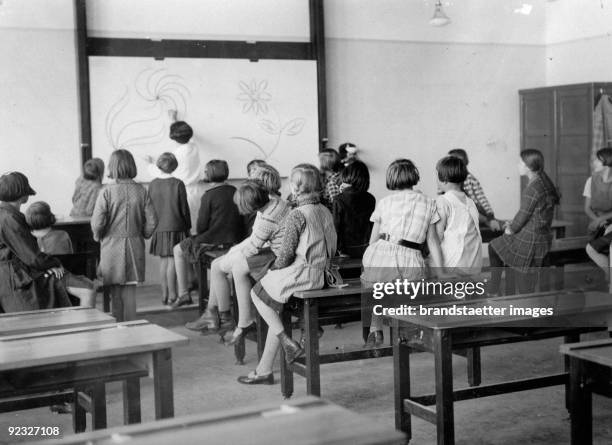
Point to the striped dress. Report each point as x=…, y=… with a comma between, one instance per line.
x=407, y=215
x=310, y=239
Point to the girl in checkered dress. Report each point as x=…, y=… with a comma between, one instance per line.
x=528, y=236
x=403, y=223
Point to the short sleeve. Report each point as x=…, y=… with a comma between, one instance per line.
x=375, y=217
x=434, y=216
x=587, y=188
x=442, y=207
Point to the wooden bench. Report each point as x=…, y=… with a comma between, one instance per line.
x=328, y=307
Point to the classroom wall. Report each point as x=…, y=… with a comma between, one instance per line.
x=38, y=92
x=407, y=89
x=578, y=36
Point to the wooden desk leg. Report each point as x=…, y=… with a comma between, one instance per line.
x=106, y=298
x=202, y=286
x=79, y=414
x=311, y=328
x=443, y=359
x=98, y=406
x=163, y=384
x=580, y=406
x=473, y=366
x=131, y=401
x=566, y=366
x=285, y=371
x=401, y=380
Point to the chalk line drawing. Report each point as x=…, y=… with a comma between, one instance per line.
x=255, y=99
x=159, y=90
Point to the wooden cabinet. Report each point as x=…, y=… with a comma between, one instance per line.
x=558, y=121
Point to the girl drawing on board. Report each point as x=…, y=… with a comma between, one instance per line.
x=189, y=168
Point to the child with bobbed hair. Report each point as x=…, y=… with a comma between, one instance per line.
x=219, y=225
x=352, y=210
x=87, y=187
x=330, y=164
x=404, y=223
x=309, y=241
x=122, y=219
x=270, y=178
x=169, y=198
x=253, y=165
x=57, y=242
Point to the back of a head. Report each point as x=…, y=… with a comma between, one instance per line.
x=533, y=159
x=402, y=174
x=306, y=179
x=167, y=162
x=605, y=156
x=181, y=132
x=93, y=169
x=461, y=154
x=121, y=165
x=329, y=160
x=39, y=216
x=452, y=169
x=269, y=177
x=216, y=170
x=254, y=164
x=250, y=196
x=357, y=176
x=344, y=148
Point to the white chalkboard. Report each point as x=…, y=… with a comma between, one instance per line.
x=239, y=110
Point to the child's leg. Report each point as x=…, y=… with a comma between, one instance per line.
x=600, y=259
x=242, y=282
x=181, y=265
x=496, y=264
x=87, y=296
x=128, y=295
x=116, y=302
x=219, y=285
x=163, y=266
x=171, y=278
x=275, y=327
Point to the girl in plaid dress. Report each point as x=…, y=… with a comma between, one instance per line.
x=528, y=236
x=403, y=223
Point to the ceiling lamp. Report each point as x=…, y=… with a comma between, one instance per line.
x=439, y=18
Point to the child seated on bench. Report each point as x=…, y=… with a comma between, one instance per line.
x=57, y=242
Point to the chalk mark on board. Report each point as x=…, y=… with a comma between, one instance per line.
x=255, y=98
x=156, y=93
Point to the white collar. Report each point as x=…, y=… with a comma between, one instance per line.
x=41, y=233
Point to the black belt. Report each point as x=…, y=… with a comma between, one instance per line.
x=402, y=242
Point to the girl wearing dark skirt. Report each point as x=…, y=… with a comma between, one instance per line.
x=169, y=199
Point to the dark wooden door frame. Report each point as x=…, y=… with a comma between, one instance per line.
x=225, y=49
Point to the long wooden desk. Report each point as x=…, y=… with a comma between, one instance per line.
x=301, y=421
x=51, y=319
x=574, y=313
x=590, y=372
x=97, y=352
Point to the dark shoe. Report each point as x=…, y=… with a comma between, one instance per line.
x=226, y=322
x=375, y=340
x=292, y=350
x=165, y=301
x=240, y=333
x=183, y=300
x=209, y=321
x=254, y=379
x=303, y=337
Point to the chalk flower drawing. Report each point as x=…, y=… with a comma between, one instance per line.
x=156, y=93
x=255, y=99
x=254, y=96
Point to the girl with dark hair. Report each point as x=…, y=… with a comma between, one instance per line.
x=169, y=198
x=352, y=210
x=29, y=278
x=87, y=188
x=598, y=207
x=528, y=236
x=123, y=218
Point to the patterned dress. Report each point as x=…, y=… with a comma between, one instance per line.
x=310, y=239
x=84, y=197
x=531, y=227
x=123, y=217
x=407, y=215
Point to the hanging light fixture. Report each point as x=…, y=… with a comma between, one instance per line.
x=439, y=18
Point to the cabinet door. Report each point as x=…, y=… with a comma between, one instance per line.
x=574, y=132
x=537, y=127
